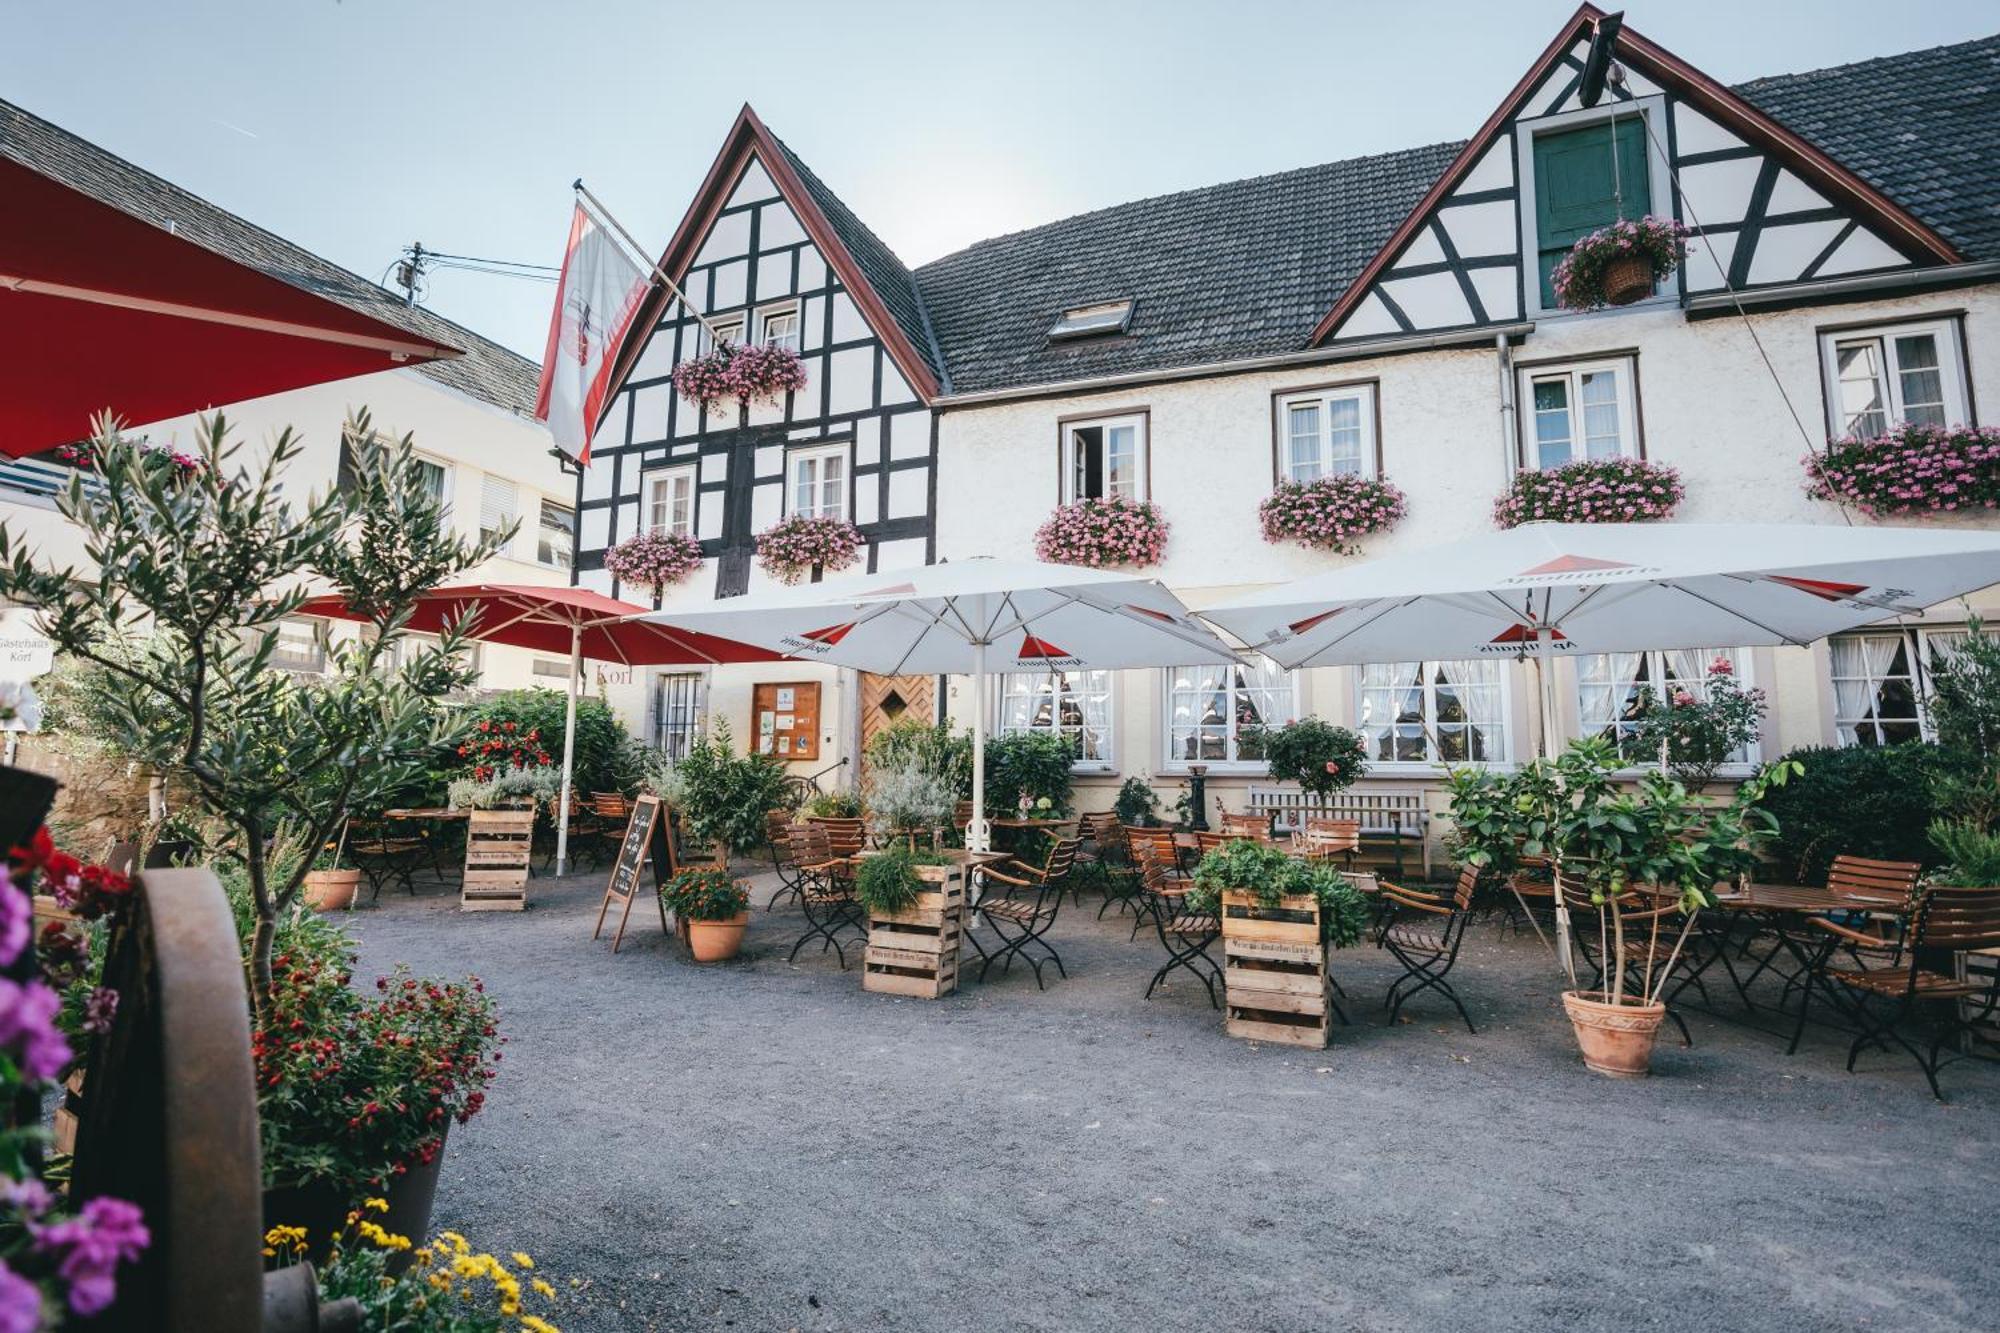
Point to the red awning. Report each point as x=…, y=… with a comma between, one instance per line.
x=100, y=309
x=542, y=618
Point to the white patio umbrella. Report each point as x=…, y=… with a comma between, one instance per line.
x=1546, y=590
x=972, y=616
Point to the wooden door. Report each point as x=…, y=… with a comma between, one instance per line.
x=886, y=700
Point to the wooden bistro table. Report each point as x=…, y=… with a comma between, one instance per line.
x=430, y=816
x=1021, y=827
x=1785, y=912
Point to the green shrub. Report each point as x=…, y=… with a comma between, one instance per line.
x=840, y=803
x=705, y=893
x=1319, y=756
x=1035, y=764
x=605, y=758
x=724, y=796
x=1136, y=803
x=1971, y=854
x=933, y=748
x=1863, y=801
x=1265, y=870
x=887, y=883
x=1965, y=711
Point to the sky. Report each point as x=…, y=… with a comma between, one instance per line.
x=355, y=127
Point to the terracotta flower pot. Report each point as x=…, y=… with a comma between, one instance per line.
x=1628, y=279
x=1616, y=1039
x=331, y=890
x=717, y=941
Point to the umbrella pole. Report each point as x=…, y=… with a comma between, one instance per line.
x=977, y=831
x=1546, y=686
x=569, y=749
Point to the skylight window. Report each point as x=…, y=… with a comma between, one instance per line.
x=1088, y=321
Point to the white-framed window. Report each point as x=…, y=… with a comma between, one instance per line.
x=1881, y=680
x=778, y=325
x=437, y=479
x=1327, y=432
x=1609, y=686
x=1104, y=457
x=727, y=330
x=301, y=647
x=1584, y=410
x=1212, y=712
x=670, y=501
x=1892, y=375
x=1073, y=704
x=1433, y=712
x=680, y=709
x=555, y=535
x=816, y=481
x=499, y=505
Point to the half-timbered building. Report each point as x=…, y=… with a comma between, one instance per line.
x=1392, y=316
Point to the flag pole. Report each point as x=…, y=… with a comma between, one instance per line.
x=596, y=206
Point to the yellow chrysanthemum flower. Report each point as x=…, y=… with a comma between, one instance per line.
x=543, y=1289
x=510, y=1307
x=376, y=1205
x=522, y=1261
x=453, y=1239
x=531, y=1324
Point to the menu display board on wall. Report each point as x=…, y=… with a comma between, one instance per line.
x=785, y=719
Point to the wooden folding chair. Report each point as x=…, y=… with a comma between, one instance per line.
x=826, y=892
x=1022, y=913
x=1427, y=943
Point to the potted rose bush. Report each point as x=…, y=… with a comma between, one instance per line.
x=1100, y=533
x=1319, y=756
x=1330, y=514
x=1595, y=490
x=796, y=546
x=1913, y=469
x=714, y=909
x=1618, y=264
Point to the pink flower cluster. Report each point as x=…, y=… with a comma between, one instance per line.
x=789, y=548
x=1597, y=490
x=1098, y=533
x=653, y=559
x=82, y=455
x=1333, y=513
x=1914, y=469
x=1578, y=279
x=760, y=373
x=88, y=1248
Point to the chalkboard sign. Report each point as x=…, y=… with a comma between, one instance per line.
x=647, y=830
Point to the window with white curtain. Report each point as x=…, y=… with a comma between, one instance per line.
x=1213, y=711
x=1609, y=687
x=1433, y=712
x=1880, y=378
x=555, y=536
x=1073, y=704
x=670, y=502
x=1881, y=679
x=680, y=710
x=1577, y=412
x=818, y=485
x=778, y=326
x=1327, y=432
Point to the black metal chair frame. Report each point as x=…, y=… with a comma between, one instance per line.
x=791, y=879
x=826, y=898
x=385, y=858
x=1426, y=969
x=1019, y=923
x=1185, y=936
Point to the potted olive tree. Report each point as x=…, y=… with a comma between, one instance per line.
x=714, y=908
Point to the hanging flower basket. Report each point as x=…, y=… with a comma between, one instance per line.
x=789, y=549
x=756, y=374
x=1618, y=264
x=1101, y=533
x=1914, y=469
x=653, y=560
x=1331, y=514
x=1599, y=490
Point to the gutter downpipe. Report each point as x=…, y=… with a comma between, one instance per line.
x=1508, y=425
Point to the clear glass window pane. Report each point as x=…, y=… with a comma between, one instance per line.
x=1073, y=704
x=555, y=535
x=1121, y=462
x=833, y=487
x=1602, y=432
x=1920, y=379
x=1859, y=367
x=1344, y=436
x=1303, y=455
x=1552, y=423
x=781, y=329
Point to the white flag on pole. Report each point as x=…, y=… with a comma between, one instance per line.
x=596, y=300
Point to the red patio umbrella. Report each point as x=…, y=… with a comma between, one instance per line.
x=573, y=621
x=100, y=309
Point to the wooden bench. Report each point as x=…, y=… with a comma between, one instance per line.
x=1392, y=822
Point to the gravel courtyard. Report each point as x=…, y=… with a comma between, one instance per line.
x=761, y=1146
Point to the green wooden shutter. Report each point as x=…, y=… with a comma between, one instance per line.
x=1576, y=191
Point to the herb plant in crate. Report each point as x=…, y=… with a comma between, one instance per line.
x=714, y=908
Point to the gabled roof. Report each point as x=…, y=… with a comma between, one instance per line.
x=1895, y=223
x=875, y=279
x=1249, y=268
x=487, y=371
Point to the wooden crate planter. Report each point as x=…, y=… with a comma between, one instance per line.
x=1274, y=970
x=915, y=951
x=497, y=844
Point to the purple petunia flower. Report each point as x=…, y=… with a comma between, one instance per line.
x=90, y=1246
